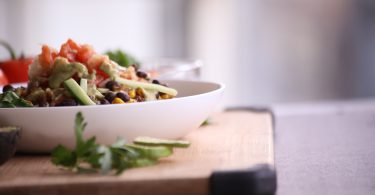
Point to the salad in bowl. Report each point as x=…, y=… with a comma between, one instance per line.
x=77, y=75
x=116, y=101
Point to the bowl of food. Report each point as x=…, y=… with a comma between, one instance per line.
x=116, y=101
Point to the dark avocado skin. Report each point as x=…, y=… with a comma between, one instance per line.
x=8, y=143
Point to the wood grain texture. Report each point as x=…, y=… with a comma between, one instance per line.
x=234, y=140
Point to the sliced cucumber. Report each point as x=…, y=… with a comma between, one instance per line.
x=149, y=141
x=78, y=92
x=103, y=90
x=150, y=94
x=83, y=84
x=98, y=94
x=153, y=152
x=136, y=84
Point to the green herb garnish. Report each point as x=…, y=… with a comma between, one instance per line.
x=9, y=99
x=122, y=58
x=88, y=156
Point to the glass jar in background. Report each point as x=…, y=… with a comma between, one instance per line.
x=169, y=68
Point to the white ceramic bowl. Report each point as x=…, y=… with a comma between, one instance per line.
x=44, y=128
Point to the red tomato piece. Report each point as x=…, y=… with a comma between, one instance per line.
x=3, y=78
x=16, y=70
x=73, y=45
x=95, y=61
x=85, y=53
x=69, y=50
x=47, y=56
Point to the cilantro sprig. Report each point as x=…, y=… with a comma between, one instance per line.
x=89, y=156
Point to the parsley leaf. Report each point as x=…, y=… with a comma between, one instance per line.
x=63, y=156
x=89, y=156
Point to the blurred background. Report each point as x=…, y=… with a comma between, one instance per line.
x=265, y=51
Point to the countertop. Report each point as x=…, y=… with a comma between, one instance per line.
x=325, y=148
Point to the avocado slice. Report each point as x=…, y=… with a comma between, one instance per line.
x=63, y=70
x=9, y=137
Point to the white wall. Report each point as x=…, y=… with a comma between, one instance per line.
x=213, y=39
x=136, y=26
x=3, y=22
x=271, y=51
x=265, y=51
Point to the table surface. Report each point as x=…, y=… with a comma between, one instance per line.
x=233, y=141
x=322, y=148
x=326, y=148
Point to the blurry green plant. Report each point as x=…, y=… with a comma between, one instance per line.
x=122, y=58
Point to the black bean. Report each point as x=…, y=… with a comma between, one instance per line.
x=124, y=96
x=142, y=74
x=112, y=85
x=67, y=102
x=159, y=83
x=110, y=96
x=156, y=82
x=104, y=101
x=8, y=88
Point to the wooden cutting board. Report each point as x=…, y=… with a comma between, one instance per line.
x=235, y=140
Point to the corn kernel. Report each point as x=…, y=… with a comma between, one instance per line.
x=132, y=93
x=118, y=101
x=139, y=91
x=165, y=96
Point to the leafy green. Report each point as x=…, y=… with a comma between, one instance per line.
x=122, y=58
x=63, y=156
x=89, y=157
x=9, y=99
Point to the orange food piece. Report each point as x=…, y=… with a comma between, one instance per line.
x=16, y=70
x=94, y=64
x=47, y=57
x=69, y=50
x=85, y=52
x=3, y=78
x=74, y=52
